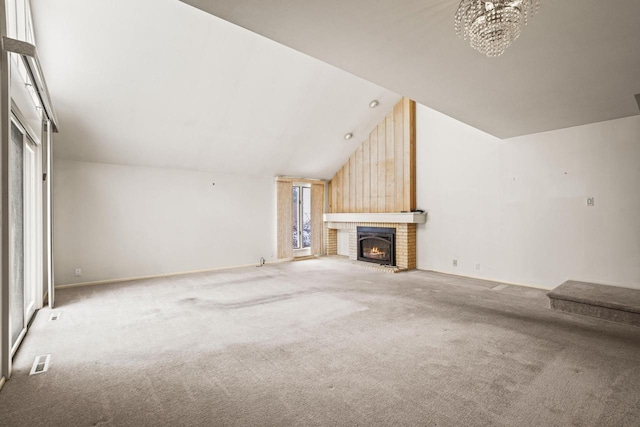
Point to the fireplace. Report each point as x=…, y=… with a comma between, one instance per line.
x=377, y=245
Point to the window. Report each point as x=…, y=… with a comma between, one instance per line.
x=19, y=21
x=301, y=217
x=300, y=206
x=19, y=26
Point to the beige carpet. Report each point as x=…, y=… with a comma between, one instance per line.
x=318, y=343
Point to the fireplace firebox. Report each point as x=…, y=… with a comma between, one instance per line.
x=377, y=245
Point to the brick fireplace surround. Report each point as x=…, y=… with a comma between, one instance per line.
x=404, y=223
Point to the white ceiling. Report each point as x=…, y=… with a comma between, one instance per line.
x=577, y=62
x=158, y=83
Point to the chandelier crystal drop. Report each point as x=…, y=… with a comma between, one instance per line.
x=491, y=26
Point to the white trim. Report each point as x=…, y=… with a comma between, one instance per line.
x=5, y=128
x=47, y=210
x=183, y=273
x=2, y=381
x=21, y=336
x=392, y=218
x=523, y=285
x=21, y=122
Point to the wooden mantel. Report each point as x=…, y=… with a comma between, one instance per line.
x=391, y=218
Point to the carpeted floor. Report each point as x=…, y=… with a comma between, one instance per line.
x=321, y=342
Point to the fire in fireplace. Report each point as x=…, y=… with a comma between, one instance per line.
x=377, y=244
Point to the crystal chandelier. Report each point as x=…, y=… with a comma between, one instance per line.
x=492, y=25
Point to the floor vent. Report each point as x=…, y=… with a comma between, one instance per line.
x=499, y=287
x=54, y=316
x=40, y=364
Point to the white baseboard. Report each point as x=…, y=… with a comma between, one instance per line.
x=183, y=273
x=524, y=285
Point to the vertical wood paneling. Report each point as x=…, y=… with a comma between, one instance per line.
x=382, y=171
x=389, y=165
x=352, y=184
x=337, y=207
x=366, y=177
x=317, y=223
x=359, y=180
x=409, y=142
x=285, y=230
x=398, y=134
x=380, y=175
x=345, y=188
x=373, y=155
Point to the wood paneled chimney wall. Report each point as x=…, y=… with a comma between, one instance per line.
x=381, y=175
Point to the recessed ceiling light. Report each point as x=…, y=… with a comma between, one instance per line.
x=348, y=136
x=374, y=103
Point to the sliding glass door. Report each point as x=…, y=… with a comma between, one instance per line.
x=22, y=234
x=16, y=236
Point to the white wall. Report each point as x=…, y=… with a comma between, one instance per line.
x=518, y=206
x=116, y=221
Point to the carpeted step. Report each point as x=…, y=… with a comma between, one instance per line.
x=602, y=301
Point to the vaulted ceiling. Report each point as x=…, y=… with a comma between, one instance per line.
x=271, y=87
x=158, y=83
x=577, y=62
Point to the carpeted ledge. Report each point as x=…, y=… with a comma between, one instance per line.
x=601, y=301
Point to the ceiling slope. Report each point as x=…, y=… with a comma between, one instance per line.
x=158, y=83
x=577, y=62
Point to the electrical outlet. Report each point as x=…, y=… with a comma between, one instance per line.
x=78, y=272
x=591, y=201
x=455, y=262
x=477, y=266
